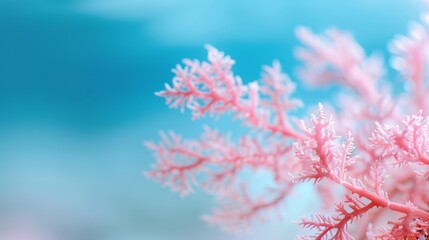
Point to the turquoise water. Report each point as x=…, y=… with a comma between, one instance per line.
x=76, y=101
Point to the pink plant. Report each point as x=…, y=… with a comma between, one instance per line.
x=370, y=156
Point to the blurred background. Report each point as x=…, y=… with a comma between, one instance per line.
x=77, y=79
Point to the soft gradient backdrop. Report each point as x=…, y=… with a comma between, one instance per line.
x=76, y=102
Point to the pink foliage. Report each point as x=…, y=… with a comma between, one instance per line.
x=370, y=156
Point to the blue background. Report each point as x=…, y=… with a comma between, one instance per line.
x=76, y=102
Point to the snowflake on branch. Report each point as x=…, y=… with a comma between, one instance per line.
x=370, y=155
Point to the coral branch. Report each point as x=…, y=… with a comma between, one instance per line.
x=211, y=87
x=336, y=56
x=370, y=154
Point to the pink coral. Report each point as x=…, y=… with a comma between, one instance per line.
x=371, y=159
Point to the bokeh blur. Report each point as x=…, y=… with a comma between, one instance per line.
x=77, y=79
